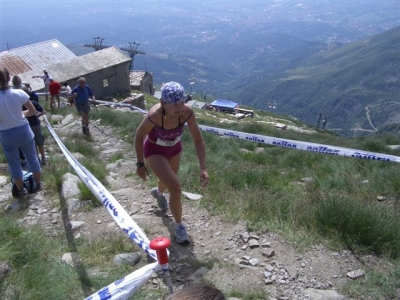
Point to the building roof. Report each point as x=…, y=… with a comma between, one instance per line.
x=93, y=62
x=224, y=103
x=78, y=66
x=136, y=77
x=197, y=104
x=35, y=57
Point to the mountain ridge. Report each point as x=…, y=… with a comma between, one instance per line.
x=342, y=82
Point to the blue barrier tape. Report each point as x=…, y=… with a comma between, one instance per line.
x=125, y=287
x=299, y=145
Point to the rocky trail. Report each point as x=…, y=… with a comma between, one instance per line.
x=222, y=253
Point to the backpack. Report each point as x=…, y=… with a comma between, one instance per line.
x=29, y=183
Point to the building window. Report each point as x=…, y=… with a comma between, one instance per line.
x=105, y=82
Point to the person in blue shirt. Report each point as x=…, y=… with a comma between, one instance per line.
x=81, y=93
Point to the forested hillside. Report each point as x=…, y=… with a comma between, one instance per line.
x=356, y=85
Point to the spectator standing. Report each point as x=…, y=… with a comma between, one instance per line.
x=67, y=89
x=158, y=141
x=27, y=85
x=34, y=123
x=16, y=82
x=54, y=89
x=15, y=132
x=32, y=95
x=81, y=93
x=27, y=89
x=46, y=81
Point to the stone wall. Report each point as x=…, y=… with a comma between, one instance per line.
x=135, y=100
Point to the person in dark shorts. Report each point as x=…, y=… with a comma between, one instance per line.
x=81, y=93
x=34, y=123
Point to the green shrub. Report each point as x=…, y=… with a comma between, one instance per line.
x=367, y=227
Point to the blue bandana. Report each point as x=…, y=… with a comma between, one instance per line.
x=172, y=92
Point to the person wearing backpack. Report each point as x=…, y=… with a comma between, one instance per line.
x=15, y=132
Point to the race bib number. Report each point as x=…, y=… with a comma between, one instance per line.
x=167, y=143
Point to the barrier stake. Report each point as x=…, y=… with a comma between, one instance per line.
x=160, y=245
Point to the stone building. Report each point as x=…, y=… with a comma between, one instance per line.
x=106, y=70
x=142, y=81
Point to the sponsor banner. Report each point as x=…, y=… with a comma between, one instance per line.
x=125, y=287
x=299, y=145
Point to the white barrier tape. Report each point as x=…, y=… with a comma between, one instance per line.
x=125, y=287
x=121, y=104
x=48, y=93
x=119, y=214
x=299, y=145
x=118, y=104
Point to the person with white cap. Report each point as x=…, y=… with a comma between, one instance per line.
x=158, y=140
x=46, y=80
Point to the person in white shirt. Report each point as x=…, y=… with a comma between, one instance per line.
x=46, y=79
x=16, y=133
x=66, y=89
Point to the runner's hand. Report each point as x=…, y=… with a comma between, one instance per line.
x=204, y=178
x=142, y=172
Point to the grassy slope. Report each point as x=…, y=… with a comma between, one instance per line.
x=337, y=204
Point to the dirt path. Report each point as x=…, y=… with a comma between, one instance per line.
x=369, y=119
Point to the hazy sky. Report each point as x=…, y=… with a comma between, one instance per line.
x=78, y=21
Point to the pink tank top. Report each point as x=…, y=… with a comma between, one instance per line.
x=166, y=134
